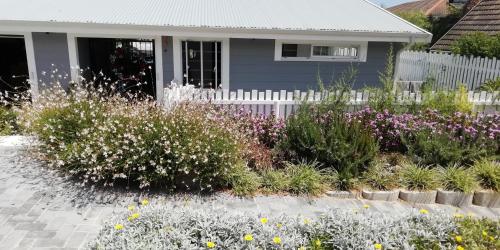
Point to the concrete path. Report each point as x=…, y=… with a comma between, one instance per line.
x=39, y=209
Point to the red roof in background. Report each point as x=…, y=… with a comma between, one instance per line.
x=428, y=7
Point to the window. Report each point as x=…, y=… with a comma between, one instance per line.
x=335, y=51
x=289, y=50
x=321, y=51
x=296, y=50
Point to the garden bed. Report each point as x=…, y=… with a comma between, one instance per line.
x=160, y=226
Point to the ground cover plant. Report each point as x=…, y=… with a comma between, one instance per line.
x=161, y=226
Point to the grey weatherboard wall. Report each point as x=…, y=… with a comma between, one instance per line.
x=252, y=66
x=51, y=49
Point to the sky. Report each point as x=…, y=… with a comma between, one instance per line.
x=389, y=3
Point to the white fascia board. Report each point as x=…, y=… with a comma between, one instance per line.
x=116, y=30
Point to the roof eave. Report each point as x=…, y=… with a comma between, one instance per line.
x=7, y=26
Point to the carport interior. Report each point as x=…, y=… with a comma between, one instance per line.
x=130, y=63
x=13, y=65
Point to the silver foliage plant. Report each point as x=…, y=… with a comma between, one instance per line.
x=168, y=227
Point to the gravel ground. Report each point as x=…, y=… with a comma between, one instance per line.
x=42, y=209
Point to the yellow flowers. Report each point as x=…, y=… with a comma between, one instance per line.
x=118, y=227
x=279, y=225
x=133, y=216
x=210, y=244
x=145, y=202
x=377, y=246
x=460, y=248
x=317, y=242
x=248, y=237
x=458, y=239
x=485, y=234
x=263, y=220
x=131, y=208
x=277, y=240
x=306, y=221
x=458, y=215
x=366, y=206
x=424, y=211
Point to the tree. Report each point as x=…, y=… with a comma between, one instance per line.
x=417, y=18
x=477, y=44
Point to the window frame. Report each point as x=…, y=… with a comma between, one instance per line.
x=362, y=47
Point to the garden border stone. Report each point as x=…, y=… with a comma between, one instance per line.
x=342, y=194
x=486, y=198
x=421, y=197
x=458, y=199
x=392, y=195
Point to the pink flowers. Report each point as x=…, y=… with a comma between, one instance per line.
x=388, y=128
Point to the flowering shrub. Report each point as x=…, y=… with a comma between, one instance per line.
x=7, y=121
x=109, y=138
x=478, y=135
x=163, y=226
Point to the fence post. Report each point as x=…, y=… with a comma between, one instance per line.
x=277, y=109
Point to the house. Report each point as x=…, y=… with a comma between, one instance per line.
x=230, y=44
x=435, y=8
x=484, y=17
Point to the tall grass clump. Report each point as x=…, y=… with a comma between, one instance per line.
x=487, y=172
x=419, y=178
x=456, y=178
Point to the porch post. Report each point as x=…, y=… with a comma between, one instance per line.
x=158, y=43
x=30, y=57
x=73, y=58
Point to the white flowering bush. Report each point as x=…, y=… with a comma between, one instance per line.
x=163, y=226
x=110, y=138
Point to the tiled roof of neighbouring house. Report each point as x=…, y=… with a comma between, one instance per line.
x=484, y=17
x=428, y=7
x=277, y=15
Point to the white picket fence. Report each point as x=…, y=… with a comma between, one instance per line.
x=414, y=67
x=283, y=103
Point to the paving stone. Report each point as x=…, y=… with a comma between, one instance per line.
x=41, y=234
x=48, y=243
x=76, y=240
x=36, y=226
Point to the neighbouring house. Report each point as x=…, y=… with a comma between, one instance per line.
x=483, y=17
x=229, y=44
x=435, y=8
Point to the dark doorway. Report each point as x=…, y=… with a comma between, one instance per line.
x=13, y=65
x=128, y=62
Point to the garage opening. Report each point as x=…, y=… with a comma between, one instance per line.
x=130, y=63
x=13, y=65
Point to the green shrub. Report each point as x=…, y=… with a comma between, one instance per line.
x=488, y=174
x=243, y=181
x=414, y=177
x=275, y=180
x=382, y=175
x=305, y=179
x=7, y=121
x=477, y=44
x=334, y=144
x=455, y=178
x=443, y=149
x=480, y=234
x=446, y=101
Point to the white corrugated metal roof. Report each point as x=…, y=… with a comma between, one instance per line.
x=298, y=15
